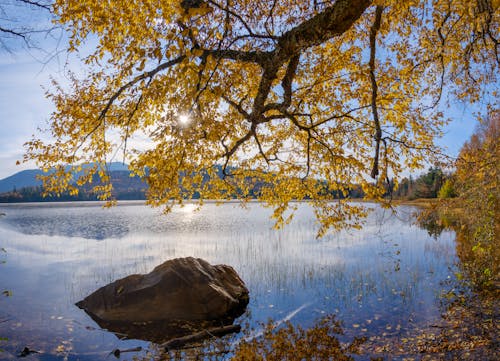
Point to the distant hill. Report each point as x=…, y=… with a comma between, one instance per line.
x=27, y=178
x=22, y=179
x=25, y=187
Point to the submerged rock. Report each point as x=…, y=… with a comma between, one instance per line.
x=178, y=297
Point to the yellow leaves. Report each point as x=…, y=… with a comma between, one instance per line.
x=317, y=145
x=197, y=52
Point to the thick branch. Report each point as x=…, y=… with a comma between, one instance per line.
x=266, y=82
x=378, y=130
x=257, y=57
x=286, y=84
x=334, y=21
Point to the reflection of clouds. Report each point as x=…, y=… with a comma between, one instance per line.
x=68, y=222
x=349, y=270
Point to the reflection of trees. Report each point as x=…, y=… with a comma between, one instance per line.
x=462, y=333
x=295, y=343
x=479, y=260
x=468, y=328
x=431, y=222
x=288, y=342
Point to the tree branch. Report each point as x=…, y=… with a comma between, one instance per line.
x=39, y=4
x=238, y=55
x=235, y=15
x=378, y=131
x=286, y=84
x=13, y=32
x=333, y=21
x=145, y=75
x=237, y=106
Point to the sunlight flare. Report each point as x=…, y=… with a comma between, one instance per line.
x=184, y=119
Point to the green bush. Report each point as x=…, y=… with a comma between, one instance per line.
x=447, y=190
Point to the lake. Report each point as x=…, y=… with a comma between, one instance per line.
x=387, y=278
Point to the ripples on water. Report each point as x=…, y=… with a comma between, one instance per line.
x=385, y=277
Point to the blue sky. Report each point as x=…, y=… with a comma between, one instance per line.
x=23, y=106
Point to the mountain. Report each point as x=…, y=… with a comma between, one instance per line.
x=27, y=178
x=125, y=187
x=22, y=179
x=24, y=187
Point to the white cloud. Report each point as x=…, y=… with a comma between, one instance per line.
x=23, y=107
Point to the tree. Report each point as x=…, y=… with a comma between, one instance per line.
x=428, y=185
x=477, y=182
x=447, y=190
x=308, y=98
x=477, y=176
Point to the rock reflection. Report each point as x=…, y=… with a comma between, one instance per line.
x=158, y=332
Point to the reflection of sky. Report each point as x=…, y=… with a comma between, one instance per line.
x=59, y=254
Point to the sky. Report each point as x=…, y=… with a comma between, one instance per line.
x=24, y=107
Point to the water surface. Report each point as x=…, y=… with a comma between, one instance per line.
x=385, y=278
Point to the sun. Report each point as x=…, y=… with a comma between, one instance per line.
x=184, y=119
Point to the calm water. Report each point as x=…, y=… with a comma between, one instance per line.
x=385, y=278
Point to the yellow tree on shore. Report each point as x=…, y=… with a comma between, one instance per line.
x=477, y=182
x=307, y=98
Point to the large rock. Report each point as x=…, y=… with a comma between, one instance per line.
x=182, y=295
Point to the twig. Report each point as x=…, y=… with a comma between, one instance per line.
x=180, y=342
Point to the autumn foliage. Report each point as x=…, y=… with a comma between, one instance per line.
x=477, y=182
x=307, y=98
